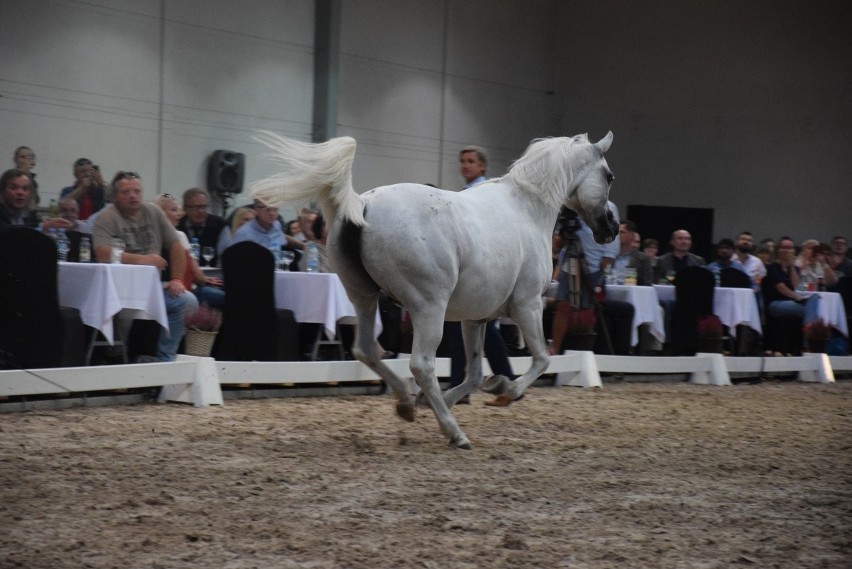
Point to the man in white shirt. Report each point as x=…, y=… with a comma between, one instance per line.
x=754, y=267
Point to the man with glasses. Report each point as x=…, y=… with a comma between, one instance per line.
x=200, y=224
x=265, y=229
x=146, y=235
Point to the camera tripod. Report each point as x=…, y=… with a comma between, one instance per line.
x=581, y=293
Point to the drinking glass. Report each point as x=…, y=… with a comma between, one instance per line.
x=670, y=277
x=287, y=258
x=630, y=276
x=208, y=253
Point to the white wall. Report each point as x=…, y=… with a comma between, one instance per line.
x=152, y=87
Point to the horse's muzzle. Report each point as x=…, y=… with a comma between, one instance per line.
x=606, y=228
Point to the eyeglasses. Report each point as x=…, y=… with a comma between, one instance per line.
x=168, y=196
x=28, y=156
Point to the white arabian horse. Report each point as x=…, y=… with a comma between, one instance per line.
x=470, y=256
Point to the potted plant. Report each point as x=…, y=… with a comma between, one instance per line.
x=580, y=330
x=710, y=333
x=201, y=329
x=817, y=334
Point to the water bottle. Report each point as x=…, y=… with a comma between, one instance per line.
x=62, y=246
x=717, y=275
x=312, y=265
x=195, y=250
x=85, y=250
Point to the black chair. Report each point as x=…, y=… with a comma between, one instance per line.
x=693, y=300
x=31, y=326
x=252, y=328
x=734, y=278
x=745, y=341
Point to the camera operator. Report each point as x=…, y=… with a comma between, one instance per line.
x=581, y=283
x=88, y=188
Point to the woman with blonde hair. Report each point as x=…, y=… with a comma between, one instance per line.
x=207, y=289
x=813, y=266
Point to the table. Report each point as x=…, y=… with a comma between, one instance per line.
x=315, y=297
x=733, y=306
x=647, y=308
x=100, y=291
x=832, y=310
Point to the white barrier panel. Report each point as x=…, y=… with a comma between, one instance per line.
x=201, y=390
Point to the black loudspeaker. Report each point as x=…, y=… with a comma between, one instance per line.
x=225, y=172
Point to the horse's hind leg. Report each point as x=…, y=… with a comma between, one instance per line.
x=473, y=333
x=428, y=328
x=366, y=350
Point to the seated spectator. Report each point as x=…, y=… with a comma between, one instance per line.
x=725, y=257
x=264, y=229
x=754, y=266
x=25, y=160
x=320, y=233
x=87, y=189
x=769, y=243
x=146, y=232
x=69, y=209
x=238, y=217
x=291, y=230
x=208, y=290
x=16, y=204
x=651, y=247
x=781, y=285
x=630, y=257
x=812, y=265
x=679, y=257
x=763, y=253
x=840, y=246
x=200, y=224
x=307, y=216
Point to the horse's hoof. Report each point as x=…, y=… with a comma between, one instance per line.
x=500, y=401
x=461, y=443
x=495, y=384
x=405, y=411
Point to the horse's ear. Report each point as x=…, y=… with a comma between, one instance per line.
x=604, y=143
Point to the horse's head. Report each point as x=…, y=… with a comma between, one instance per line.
x=592, y=179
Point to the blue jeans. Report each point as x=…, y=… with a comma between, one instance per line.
x=177, y=307
x=808, y=310
x=212, y=296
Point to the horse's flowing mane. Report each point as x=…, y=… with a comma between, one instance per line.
x=545, y=170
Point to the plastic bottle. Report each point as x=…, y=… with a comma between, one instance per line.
x=195, y=249
x=53, y=209
x=85, y=250
x=717, y=275
x=312, y=264
x=62, y=246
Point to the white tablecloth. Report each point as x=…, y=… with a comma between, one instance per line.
x=100, y=291
x=315, y=297
x=733, y=306
x=833, y=311
x=644, y=299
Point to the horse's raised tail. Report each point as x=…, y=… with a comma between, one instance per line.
x=321, y=172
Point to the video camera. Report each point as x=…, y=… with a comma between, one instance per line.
x=567, y=223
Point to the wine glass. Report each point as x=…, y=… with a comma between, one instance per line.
x=208, y=253
x=287, y=258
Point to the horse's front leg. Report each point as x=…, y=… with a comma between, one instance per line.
x=428, y=329
x=473, y=333
x=366, y=350
x=528, y=319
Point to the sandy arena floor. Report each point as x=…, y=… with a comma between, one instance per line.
x=631, y=475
